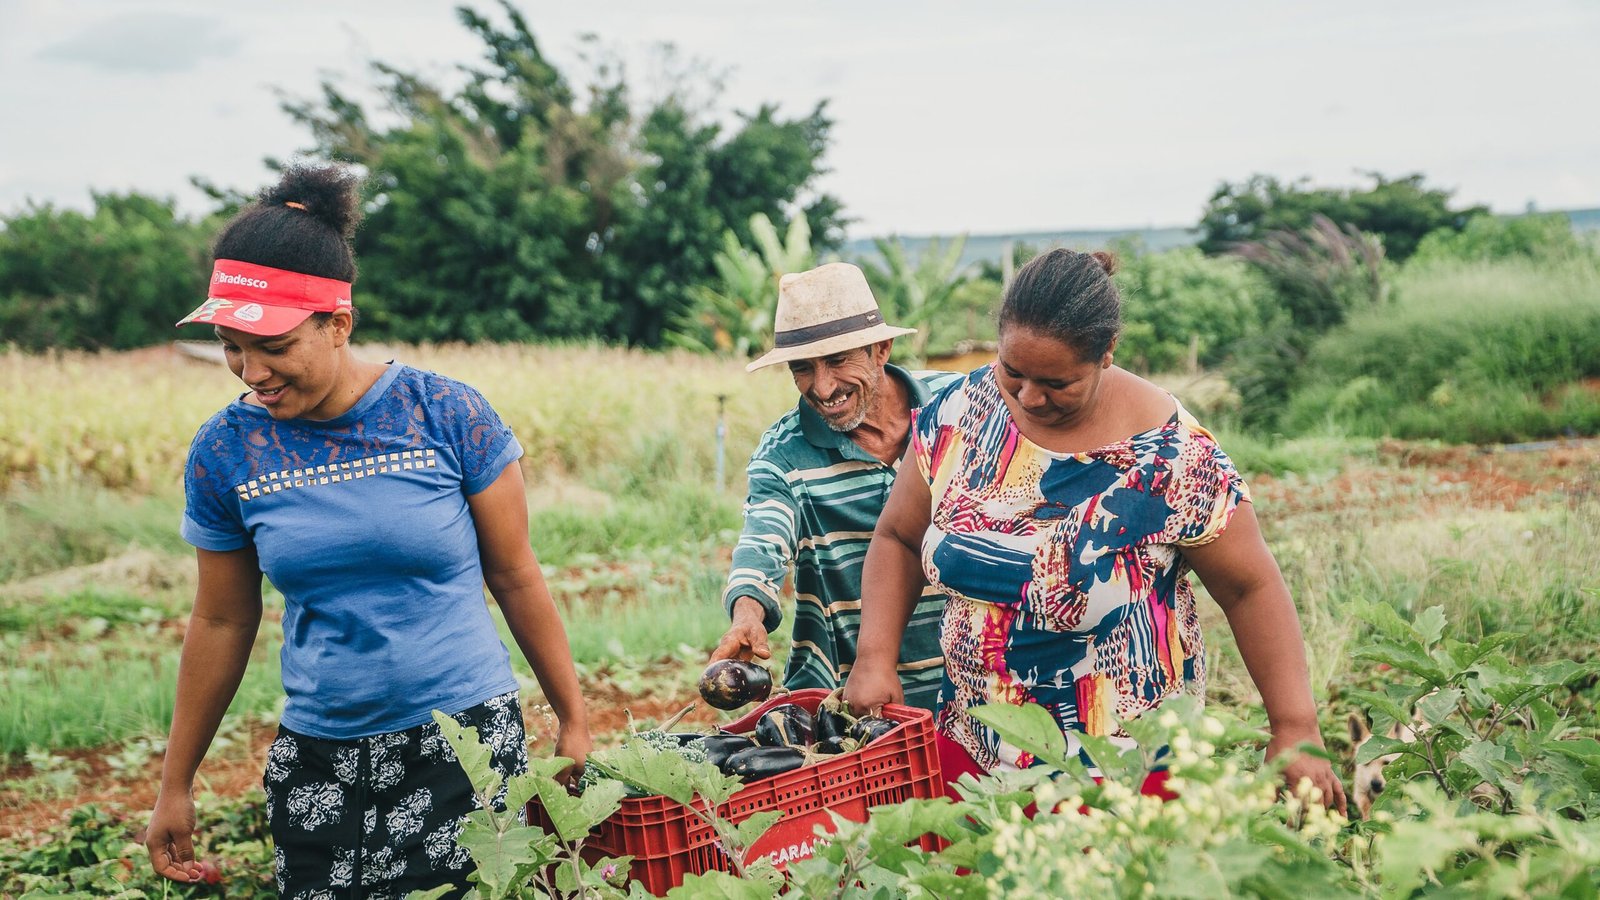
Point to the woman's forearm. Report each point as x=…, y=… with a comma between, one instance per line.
x=891, y=582
x=1267, y=631
x=215, y=654
x=535, y=623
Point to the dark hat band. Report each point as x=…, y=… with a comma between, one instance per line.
x=795, y=337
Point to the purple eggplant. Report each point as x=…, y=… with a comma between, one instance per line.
x=833, y=746
x=731, y=683
x=833, y=717
x=869, y=728
x=785, y=725
x=831, y=723
x=719, y=747
x=764, y=762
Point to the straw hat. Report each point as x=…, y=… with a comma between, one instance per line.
x=823, y=311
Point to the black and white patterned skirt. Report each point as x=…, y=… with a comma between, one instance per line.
x=377, y=817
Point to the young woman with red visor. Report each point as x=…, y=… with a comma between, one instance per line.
x=378, y=499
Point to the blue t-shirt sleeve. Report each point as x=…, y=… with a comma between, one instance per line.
x=212, y=519
x=483, y=441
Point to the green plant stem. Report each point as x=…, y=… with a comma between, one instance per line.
x=724, y=836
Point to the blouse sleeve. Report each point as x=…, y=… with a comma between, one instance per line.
x=1205, y=492
x=212, y=519
x=481, y=438
x=931, y=426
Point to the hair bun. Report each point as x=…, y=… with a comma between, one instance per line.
x=1107, y=261
x=327, y=192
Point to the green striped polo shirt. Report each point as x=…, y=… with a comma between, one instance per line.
x=814, y=498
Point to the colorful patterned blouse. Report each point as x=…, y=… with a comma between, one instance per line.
x=1065, y=583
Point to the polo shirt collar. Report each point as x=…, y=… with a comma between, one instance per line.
x=818, y=434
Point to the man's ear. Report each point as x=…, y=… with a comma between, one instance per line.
x=881, y=351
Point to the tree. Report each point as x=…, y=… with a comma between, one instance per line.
x=114, y=279
x=523, y=207
x=736, y=316
x=1399, y=211
x=916, y=293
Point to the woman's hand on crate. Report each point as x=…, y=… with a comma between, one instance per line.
x=869, y=687
x=575, y=743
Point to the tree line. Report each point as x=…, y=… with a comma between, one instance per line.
x=529, y=205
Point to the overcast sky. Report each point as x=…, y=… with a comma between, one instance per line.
x=1006, y=116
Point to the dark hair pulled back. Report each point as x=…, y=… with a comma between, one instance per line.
x=312, y=236
x=1068, y=296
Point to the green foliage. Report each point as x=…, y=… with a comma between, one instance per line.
x=736, y=316
x=1317, y=278
x=647, y=744
x=514, y=860
x=1181, y=309
x=116, y=278
x=95, y=854
x=1470, y=352
x=703, y=790
x=1399, y=211
x=1548, y=237
x=522, y=207
x=916, y=293
x=1482, y=728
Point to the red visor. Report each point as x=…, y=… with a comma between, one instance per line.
x=264, y=300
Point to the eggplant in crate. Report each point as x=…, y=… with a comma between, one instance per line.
x=667, y=841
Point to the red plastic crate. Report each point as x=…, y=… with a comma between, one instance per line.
x=667, y=841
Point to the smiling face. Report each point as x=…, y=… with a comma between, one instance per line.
x=843, y=387
x=294, y=374
x=1044, y=380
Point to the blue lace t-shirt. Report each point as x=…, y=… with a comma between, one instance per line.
x=362, y=523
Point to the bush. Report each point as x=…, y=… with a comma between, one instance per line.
x=1547, y=237
x=114, y=279
x=1474, y=352
x=1180, y=302
x=1318, y=278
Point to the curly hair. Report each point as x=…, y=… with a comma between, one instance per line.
x=302, y=224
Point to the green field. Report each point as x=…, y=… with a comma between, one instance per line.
x=95, y=583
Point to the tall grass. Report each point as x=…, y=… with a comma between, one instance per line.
x=1470, y=352
x=126, y=420
x=43, y=529
x=1533, y=571
x=650, y=612
x=674, y=516
x=100, y=685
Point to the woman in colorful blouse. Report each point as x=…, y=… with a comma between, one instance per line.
x=1059, y=501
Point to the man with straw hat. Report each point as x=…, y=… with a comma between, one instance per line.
x=818, y=481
